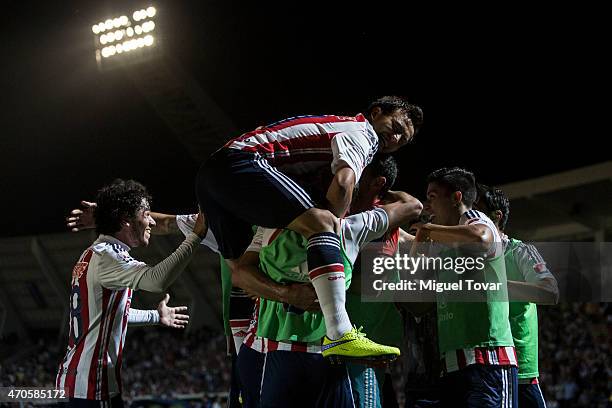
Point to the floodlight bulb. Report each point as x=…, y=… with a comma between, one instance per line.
x=124, y=20
x=129, y=31
x=138, y=30
x=103, y=39
x=95, y=29
x=118, y=35
x=108, y=24
x=117, y=22
x=148, y=40
x=151, y=11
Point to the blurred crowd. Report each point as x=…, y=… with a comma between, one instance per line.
x=575, y=360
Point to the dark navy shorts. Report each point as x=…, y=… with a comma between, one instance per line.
x=530, y=396
x=304, y=380
x=237, y=189
x=250, y=368
x=480, y=386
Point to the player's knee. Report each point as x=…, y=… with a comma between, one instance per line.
x=314, y=221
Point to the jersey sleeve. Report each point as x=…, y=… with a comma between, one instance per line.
x=531, y=264
x=137, y=317
x=187, y=222
x=351, y=149
x=359, y=229
x=118, y=270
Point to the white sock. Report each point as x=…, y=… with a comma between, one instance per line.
x=331, y=292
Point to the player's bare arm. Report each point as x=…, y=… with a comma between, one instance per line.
x=478, y=234
x=248, y=277
x=340, y=191
x=401, y=208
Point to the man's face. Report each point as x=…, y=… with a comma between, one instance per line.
x=140, y=227
x=440, y=205
x=394, y=130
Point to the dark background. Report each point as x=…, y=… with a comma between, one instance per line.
x=511, y=93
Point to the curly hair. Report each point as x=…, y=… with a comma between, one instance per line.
x=494, y=199
x=456, y=179
x=118, y=201
x=390, y=104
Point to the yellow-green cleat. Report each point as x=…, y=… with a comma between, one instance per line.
x=354, y=345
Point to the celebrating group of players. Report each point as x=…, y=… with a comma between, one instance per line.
x=289, y=207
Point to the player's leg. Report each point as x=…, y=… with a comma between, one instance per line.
x=250, y=368
x=237, y=189
x=530, y=396
x=366, y=384
x=488, y=386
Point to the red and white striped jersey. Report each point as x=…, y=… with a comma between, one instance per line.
x=99, y=313
x=264, y=345
x=303, y=144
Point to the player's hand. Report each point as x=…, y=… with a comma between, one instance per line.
x=201, y=226
x=172, y=316
x=82, y=219
x=422, y=232
x=303, y=296
x=420, y=238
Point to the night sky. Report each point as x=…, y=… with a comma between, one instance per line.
x=510, y=93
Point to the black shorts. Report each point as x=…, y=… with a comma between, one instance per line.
x=237, y=190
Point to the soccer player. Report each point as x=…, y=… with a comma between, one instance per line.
x=475, y=340
x=260, y=178
x=237, y=306
x=103, y=281
x=526, y=269
x=292, y=337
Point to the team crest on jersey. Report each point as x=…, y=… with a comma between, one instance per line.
x=78, y=270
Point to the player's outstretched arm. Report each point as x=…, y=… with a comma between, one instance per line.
x=479, y=236
x=174, y=317
x=83, y=218
x=401, y=208
x=117, y=271
x=542, y=293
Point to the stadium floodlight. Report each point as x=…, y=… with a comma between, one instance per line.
x=122, y=34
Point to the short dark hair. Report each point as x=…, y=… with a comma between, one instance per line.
x=118, y=201
x=390, y=104
x=384, y=165
x=494, y=199
x=456, y=179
